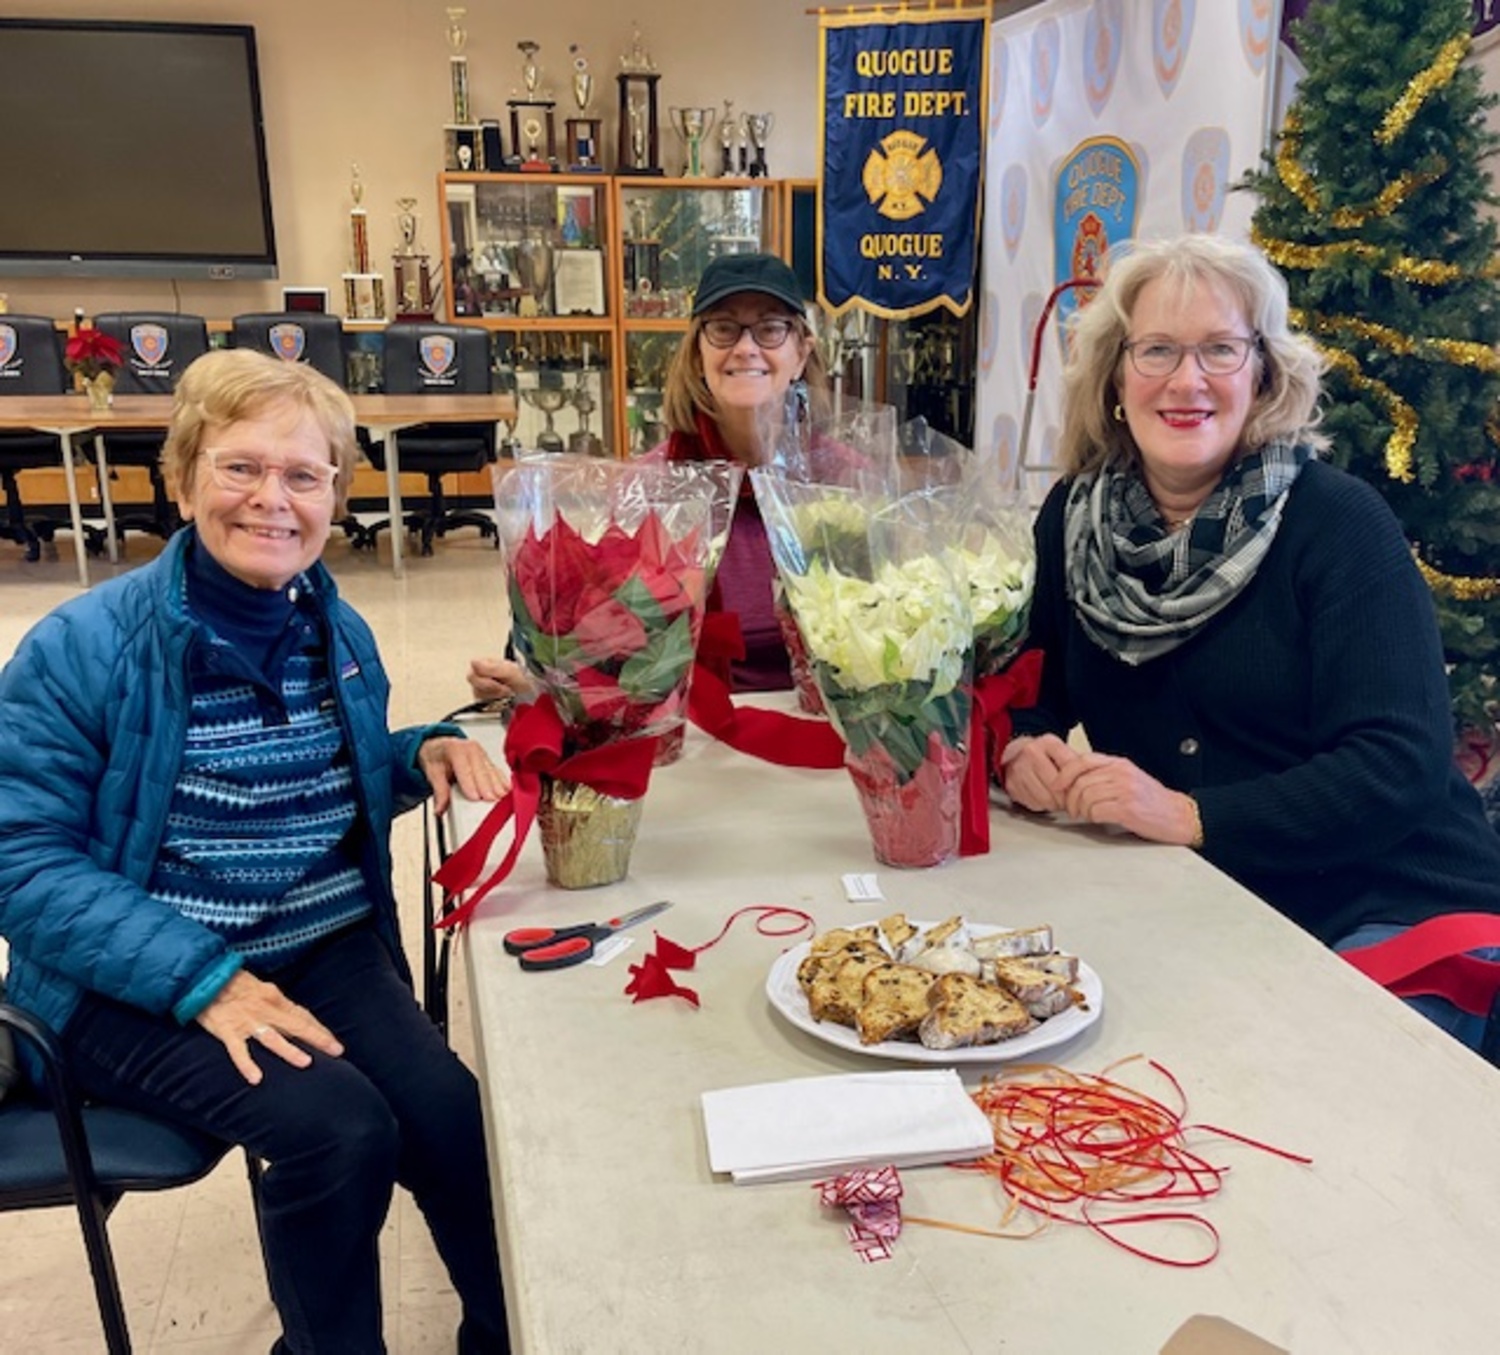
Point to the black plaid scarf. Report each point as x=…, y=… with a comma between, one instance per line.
x=1140, y=590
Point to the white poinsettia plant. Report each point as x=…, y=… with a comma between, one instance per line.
x=907, y=624
x=881, y=598
x=1001, y=580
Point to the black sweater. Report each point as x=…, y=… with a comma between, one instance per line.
x=1310, y=719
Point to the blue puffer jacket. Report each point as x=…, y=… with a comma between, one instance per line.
x=93, y=713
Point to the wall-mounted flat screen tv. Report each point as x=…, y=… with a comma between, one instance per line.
x=132, y=149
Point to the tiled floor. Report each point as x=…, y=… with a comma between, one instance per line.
x=189, y=1263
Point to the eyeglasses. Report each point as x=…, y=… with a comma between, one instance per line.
x=1217, y=357
x=244, y=474
x=770, y=332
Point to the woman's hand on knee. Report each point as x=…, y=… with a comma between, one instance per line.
x=249, y=1011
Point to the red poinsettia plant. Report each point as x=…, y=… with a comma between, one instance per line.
x=91, y=352
x=608, y=626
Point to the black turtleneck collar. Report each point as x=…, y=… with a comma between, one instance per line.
x=257, y=622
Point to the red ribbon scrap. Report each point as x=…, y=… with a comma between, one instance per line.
x=653, y=977
x=872, y=1195
x=1430, y=960
x=534, y=748
x=989, y=731
x=771, y=735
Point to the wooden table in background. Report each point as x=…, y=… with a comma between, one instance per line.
x=69, y=417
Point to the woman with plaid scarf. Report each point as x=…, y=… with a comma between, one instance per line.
x=1238, y=627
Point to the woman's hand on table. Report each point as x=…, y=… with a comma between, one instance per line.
x=249, y=1011
x=1029, y=768
x=1096, y=788
x=447, y=761
x=497, y=679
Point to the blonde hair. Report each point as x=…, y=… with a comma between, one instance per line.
x=230, y=385
x=686, y=392
x=1287, y=366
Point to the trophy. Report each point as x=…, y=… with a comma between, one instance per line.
x=364, y=291
x=461, y=136
x=758, y=132
x=539, y=107
x=534, y=267
x=583, y=131
x=640, y=129
x=583, y=442
x=642, y=259
x=458, y=65
x=413, y=275
x=548, y=396
x=693, y=125
x=728, y=125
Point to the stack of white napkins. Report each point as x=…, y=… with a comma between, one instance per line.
x=817, y=1126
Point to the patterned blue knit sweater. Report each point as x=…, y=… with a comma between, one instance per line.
x=258, y=837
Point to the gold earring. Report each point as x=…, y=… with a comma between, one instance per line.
x=1119, y=413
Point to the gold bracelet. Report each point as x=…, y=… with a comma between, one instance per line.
x=1197, y=838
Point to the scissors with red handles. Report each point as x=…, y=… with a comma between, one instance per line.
x=558, y=947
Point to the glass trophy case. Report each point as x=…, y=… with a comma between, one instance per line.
x=670, y=229
x=923, y=367
x=529, y=258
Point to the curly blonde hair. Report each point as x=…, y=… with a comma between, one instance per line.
x=229, y=385
x=1288, y=367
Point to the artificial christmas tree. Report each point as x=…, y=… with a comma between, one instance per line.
x=1374, y=204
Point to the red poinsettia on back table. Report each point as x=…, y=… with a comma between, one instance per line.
x=91, y=352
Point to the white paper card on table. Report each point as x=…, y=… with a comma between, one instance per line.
x=819, y=1126
x=862, y=888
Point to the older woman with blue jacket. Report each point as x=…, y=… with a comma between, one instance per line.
x=197, y=784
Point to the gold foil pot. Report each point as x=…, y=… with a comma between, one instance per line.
x=586, y=836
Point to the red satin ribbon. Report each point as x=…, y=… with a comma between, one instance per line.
x=534, y=748
x=1431, y=960
x=771, y=735
x=989, y=727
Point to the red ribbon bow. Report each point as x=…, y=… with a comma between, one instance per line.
x=873, y=1198
x=989, y=731
x=534, y=749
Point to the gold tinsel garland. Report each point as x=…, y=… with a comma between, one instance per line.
x=1460, y=590
x=1289, y=167
x=1424, y=272
x=1293, y=174
x=1404, y=422
x=1458, y=352
x=1398, y=117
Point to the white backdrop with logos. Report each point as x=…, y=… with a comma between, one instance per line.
x=1100, y=130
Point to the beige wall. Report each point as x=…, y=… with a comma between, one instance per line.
x=366, y=81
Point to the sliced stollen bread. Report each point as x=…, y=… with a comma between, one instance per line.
x=1041, y=993
x=963, y=1012
x=895, y=1003
x=1026, y=941
x=837, y=995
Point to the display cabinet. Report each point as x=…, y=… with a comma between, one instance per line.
x=670, y=230
x=531, y=258
x=924, y=367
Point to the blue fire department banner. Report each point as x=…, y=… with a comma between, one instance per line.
x=902, y=161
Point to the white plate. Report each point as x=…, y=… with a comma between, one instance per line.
x=788, y=998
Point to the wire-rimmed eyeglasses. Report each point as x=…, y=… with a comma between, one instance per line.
x=1217, y=357
x=770, y=331
x=244, y=474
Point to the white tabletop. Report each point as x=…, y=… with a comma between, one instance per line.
x=615, y=1236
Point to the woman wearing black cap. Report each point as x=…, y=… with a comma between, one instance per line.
x=749, y=347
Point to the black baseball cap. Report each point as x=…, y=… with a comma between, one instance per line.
x=763, y=273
